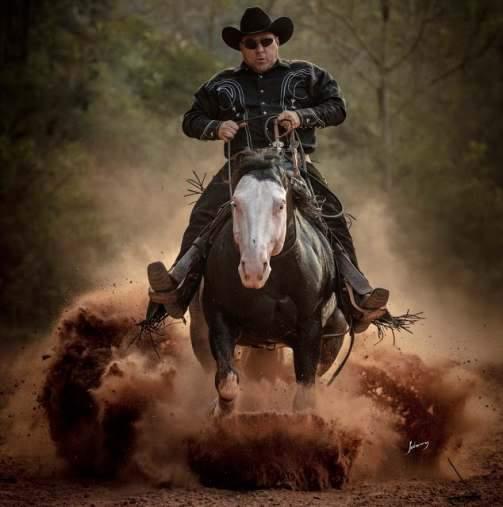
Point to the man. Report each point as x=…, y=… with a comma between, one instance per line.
x=234, y=107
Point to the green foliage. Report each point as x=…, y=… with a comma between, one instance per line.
x=158, y=69
x=97, y=88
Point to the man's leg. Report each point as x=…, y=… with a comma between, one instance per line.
x=332, y=207
x=203, y=213
x=205, y=209
x=367, y=299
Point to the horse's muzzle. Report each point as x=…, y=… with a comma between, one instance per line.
x=254, y=274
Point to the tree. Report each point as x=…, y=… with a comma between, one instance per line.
x=401, y=50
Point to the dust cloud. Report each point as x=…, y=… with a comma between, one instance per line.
x=115, y=410
x=84, y=399
x=457, y=325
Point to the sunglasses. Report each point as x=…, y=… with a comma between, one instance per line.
x=253, y=43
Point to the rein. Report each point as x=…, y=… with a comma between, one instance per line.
x=296, y=148
x=276, y=143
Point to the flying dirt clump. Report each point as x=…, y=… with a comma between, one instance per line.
x=86, y=339
x=429, y=404
x=89, y=397
x=272, y=450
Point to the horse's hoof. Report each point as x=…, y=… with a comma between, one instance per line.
x=228, y=387
x=221, y=408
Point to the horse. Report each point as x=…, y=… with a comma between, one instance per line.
x=268, y=281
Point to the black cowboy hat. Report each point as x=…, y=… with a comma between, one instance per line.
x=255, y=20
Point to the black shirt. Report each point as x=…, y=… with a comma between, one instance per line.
x=240, y=93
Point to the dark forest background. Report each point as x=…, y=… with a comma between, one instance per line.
x=89, y=86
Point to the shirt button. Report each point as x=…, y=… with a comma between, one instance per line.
x=261, y=91
x=260, y=76
x=264, y=112
x=262, y=103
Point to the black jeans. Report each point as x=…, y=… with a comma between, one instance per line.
x=217, y=193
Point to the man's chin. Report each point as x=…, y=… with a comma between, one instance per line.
x=262, y=66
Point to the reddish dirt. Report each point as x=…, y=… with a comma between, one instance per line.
x=116, y=426
x=298, y=452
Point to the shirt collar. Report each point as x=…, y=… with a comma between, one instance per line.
x=280, y=63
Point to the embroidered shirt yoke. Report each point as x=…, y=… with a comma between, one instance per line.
x=240, y=93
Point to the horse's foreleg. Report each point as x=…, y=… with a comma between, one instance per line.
x=223, y=342
x=306, y=356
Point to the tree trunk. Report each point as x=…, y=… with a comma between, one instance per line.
x=383, y=100
x=14, y=30
x=210, y=29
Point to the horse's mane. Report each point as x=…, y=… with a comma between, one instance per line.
x=268, y=164
x=259, y=162
x=308, y=204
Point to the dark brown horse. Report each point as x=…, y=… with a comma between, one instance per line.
x=269, y=279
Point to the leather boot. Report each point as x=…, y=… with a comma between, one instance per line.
x=163, y=291
x=370, y=307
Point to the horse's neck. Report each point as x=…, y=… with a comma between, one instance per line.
x=291, y=224
x=305, y=222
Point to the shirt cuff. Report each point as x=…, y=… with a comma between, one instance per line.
x=210, y=132
x=309, y=118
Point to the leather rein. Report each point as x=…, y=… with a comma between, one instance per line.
x=277, y=144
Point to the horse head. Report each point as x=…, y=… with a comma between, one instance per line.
x=261, y=207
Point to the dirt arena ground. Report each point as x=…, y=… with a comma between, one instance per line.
x=87, y=420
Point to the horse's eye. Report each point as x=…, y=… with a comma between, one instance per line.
x=280, y=206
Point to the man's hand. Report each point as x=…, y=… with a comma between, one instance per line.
x=289, y=120
x=228, y=129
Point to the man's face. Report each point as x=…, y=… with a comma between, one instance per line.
x=260, y=59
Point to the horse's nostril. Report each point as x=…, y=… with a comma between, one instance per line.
x=264, y=265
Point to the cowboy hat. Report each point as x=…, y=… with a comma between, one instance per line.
x=255, y=20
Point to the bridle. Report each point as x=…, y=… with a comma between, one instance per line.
x=279, y=146
x=297, y=155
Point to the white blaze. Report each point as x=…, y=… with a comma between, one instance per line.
x=259, y=225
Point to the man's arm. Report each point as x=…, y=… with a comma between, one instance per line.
x=199, y=122
x=330, y=108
